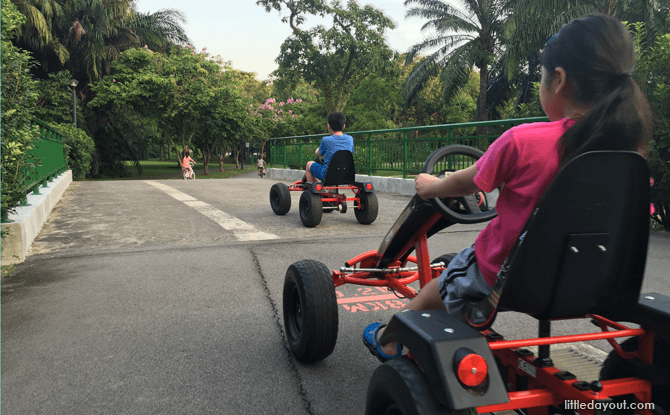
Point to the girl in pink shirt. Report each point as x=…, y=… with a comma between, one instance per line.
x=186, y=162
x=592, y=103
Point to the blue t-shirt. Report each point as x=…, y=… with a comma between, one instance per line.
x=333, y=143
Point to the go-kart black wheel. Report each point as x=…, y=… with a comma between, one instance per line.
x=369, y=208
x=399, y=387
x=470, y=203
x=280, y=198
x=616, y=367
x=311, y=209
x=310, y=311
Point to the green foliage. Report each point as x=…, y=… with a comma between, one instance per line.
x=78, y=148
x=464, y=37
x=511, y=109
x=18, y=103
x=181, y=98
x=335, y=59
x=653, y=74
x=54, y=103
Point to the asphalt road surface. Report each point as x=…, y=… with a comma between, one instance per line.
x=165, y=297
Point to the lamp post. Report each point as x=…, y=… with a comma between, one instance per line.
x=73, y=84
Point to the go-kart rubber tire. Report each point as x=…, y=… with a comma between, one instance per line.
x=400, y=387
x=310, y=311
x=311, y=209
x=616, y=367
x=280, y=198
x=369, y=208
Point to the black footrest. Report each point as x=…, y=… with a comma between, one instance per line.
x=565, y=375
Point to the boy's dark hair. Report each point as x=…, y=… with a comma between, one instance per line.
x=598, y=56
x=337, y=120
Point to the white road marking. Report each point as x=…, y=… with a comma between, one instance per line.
x=242, y=230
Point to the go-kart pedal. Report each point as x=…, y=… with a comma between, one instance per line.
x=342, y=207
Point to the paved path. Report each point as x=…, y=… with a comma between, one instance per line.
x=164, y=297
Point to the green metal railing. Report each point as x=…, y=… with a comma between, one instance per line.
x=400, y=151
x=46, y=160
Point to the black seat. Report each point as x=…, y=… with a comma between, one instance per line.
x=341, y=169
x=585, y=247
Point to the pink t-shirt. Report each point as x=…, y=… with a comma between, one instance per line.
x=525, y=159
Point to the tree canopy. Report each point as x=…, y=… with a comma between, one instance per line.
x=336, y=59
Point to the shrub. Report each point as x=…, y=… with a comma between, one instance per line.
x=653, y=75
x=78, y=148
x=18, y=104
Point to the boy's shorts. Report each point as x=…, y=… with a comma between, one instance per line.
x=318, y=170
x=462, y=283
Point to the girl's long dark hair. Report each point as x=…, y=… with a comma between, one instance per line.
x=598, y=56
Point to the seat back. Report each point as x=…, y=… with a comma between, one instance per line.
x=584, y=249
x=341, y=169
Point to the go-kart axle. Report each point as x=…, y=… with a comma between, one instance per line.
x=389, y=270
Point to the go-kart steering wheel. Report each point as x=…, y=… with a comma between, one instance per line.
x=474, y=213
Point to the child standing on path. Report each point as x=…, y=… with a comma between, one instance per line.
x=592, y=103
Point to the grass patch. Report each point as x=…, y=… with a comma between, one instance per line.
x=169, y=170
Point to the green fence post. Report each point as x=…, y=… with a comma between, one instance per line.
x=404, y=156
x=284, y=142
x=369, y=154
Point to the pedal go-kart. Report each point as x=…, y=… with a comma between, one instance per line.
x=582, y=255
x=317, y=198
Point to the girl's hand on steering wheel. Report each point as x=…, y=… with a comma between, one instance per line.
x=424, y=183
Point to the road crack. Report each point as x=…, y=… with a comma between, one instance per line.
x=289, y=356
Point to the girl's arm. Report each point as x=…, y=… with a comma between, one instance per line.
x=459, y=183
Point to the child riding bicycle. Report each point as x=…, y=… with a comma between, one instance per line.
x=186, y=169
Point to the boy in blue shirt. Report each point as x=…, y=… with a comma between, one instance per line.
x=336, y=141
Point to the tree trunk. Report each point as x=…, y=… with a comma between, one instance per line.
x=176, y=151
x=483, y=83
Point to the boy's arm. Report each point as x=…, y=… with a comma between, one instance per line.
x=460, y=183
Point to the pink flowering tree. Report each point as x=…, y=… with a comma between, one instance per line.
x=276, y=119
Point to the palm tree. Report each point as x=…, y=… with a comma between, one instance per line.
x=36, y=34
x=463, y=38
x=532, y=22
x=86, y=36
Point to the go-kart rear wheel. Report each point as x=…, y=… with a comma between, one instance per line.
x=399, y=387
x=310, y=311
x=369, y=208
x=311, y=209
x=280, y=198
x=616, y=367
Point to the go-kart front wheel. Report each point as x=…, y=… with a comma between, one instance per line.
x=616, y=367
x=280, y=198
x=311, y=209
x=367, y=213
x=310, y=311
x=400, y=387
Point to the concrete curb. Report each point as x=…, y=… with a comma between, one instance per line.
x=381, y=184
x=26, y=223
